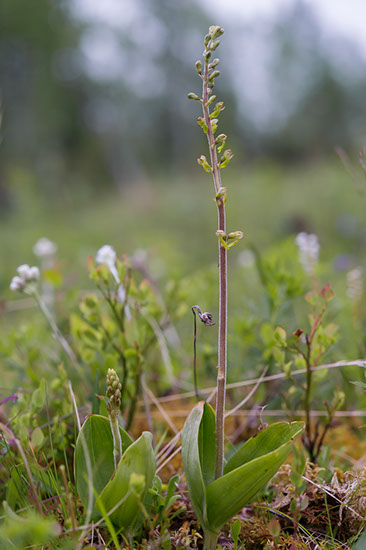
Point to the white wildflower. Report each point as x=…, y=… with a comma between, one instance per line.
x=354, y=283
x=25, y=279
x=44, y=248
x=309, y=247
x=107, y=256
x=17, y=284
x=28, y=273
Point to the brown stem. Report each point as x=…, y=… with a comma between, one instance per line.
x=222, y=336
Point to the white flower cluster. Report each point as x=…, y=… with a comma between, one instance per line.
x=107, y=256
x=44, y=248
x=309, y=247
x=354, y=283
x=25, y=279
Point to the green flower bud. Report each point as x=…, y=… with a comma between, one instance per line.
x=226, y=157
x=215, y=31
x=214, y=75
x=191, y=95
x=198, y=66
x=221, y=137
x=221, y=196
x=211, y=100
x=202, y=161
x=214, y=45
x=201, y=122
x=235, y=235
x=207, y=54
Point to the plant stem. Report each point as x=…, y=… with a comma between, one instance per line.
x=117, y=442
x=222, y=336
x=56, y=332
x=210, y=541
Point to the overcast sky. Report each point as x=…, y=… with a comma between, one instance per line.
x=104, y=57
x=346, y=17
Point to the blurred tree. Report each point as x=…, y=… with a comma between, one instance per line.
x=148, y=122
x=43, y=88
x=93, y=95
x=318, y=85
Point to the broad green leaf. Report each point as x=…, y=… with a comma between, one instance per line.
x=207, y=444
x=138, y=459
x=37, y=438
x=361, y=542
x=227, y=495
x=192, y=462
x=262, y=443
x=99, y=442
x=39, y=395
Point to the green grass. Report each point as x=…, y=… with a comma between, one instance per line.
x=175, y=218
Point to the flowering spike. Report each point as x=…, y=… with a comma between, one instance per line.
x=114, y=394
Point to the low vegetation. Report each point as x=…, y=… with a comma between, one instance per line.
x=101, y=443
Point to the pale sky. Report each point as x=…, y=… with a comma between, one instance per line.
x=346, y=17
x=104, y=57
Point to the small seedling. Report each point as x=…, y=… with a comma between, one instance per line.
x=235, y=532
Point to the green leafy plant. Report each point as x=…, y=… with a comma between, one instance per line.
x=158, y=509
x=113, y=474
x=216, y=501
x=306, y=349
x=120, y=326
x=217, y=490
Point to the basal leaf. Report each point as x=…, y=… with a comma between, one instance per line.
x=207, y=444
x=98, y=439
x=192, y=462
x=227, y=495
x=262, y=443
x=138, y=459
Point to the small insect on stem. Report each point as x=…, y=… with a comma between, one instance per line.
x=206, y=319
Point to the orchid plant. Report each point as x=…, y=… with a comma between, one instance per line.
x=218, y=488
